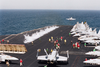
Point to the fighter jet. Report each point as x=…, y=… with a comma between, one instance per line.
x=95, y=52
x=52, y=57
x=93, y=61
x=4, y=57
x=87, y=37
x=93, y=42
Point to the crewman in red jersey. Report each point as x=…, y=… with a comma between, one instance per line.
x=61, y=38
x=78, y=46
x=85, y=59
x=77, y=42
x=21, y=62
x=58, y=46
x=73, y=45
x=56, y=41
x=2, y=40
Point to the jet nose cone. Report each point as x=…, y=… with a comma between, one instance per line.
x=89, y=53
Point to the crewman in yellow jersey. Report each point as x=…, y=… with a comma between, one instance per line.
x=65, y=41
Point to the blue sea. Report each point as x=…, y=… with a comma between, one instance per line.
x=17, y=21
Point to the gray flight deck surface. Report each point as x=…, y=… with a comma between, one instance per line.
x=76, y=56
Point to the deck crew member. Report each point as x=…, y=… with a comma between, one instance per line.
x=78, y=46
x=71, y=41
x=21, y=62
x=61, y=38
x=65, y=41
x=52, y=38
x=85, y=44
x=96, y=43
x=32, y=42
x=51, y=50
x=49, y=40
x=55, y=43
x=7, y=41
x=47, y=50
x=73, y=45
x=93, y=49
x=2, y=40
x=69, y=34
x=7, y=62
x=58, y=46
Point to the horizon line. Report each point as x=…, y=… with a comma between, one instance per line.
x=52, y=9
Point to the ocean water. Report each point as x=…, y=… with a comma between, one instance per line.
x=17, y=21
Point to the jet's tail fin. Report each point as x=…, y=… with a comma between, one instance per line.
x=67, y=53
x=45, y=52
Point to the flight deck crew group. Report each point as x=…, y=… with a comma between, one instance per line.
x=56, y=44
x=76, y=45
x=4, y=41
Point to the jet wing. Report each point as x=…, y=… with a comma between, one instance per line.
x=97, y=47
x=93, y=41
x=77, y=34
x=43, y=57
x=11, y=58
x=61, y=58
x=97, y=53
x=73, y=32
x=8, y=57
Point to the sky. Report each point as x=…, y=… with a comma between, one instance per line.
x=51, y=4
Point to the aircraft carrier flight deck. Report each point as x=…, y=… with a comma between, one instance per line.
x=76, y=56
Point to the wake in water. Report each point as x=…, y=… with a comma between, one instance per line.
x=37, y=35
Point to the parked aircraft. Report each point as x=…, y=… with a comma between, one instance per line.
x=93, y=61
x=95, y=52
x=52, y=57
x=85, y=33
